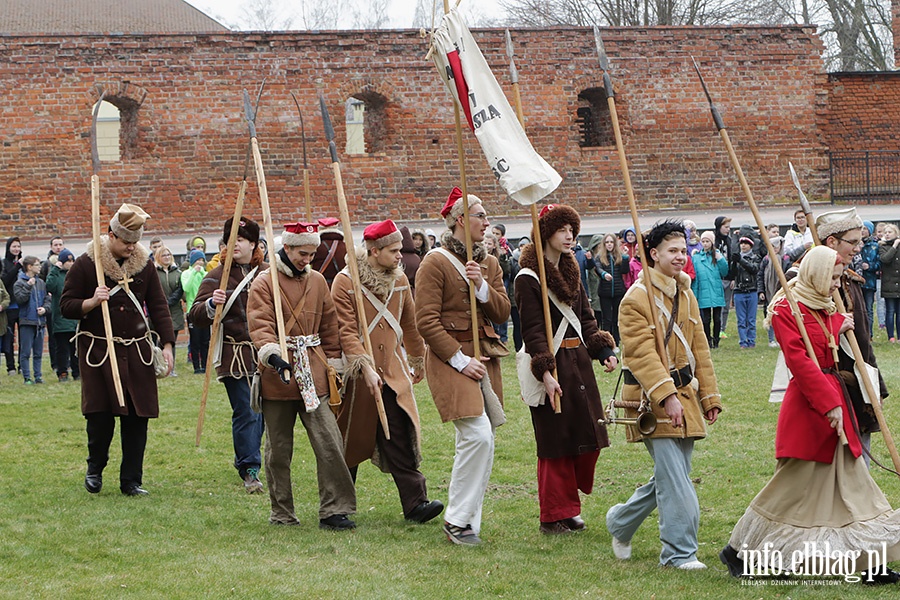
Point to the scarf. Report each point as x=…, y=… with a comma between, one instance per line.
x=812, y=287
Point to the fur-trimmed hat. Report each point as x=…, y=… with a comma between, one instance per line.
x=301, y=234
x=837, y=221
x=453, y=207
x=247, y=229
x=128, y=223
x=554, y=216
x=379, y=235
x=330, y=225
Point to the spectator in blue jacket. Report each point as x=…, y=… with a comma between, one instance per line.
x=34, y=306
x=870, y=267
x=710, y=266
x=745, y=268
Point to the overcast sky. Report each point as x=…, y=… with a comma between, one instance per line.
x=401, y=12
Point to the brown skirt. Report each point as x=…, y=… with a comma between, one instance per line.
x=809, y=502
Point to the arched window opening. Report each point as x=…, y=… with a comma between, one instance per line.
x=593, y=119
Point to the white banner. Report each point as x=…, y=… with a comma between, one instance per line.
x=519, y=169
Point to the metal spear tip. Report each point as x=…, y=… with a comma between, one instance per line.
x=249, y=114
x=326, y=119
x=95, y=153
x=804, y=201
x=601, y=51
x=509, y=45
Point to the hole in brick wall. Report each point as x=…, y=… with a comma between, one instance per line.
x=366, y=123
x=117, y=129
x=593, y=120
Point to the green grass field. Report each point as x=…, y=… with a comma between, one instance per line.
x=198, y=535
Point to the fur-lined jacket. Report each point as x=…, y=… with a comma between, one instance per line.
x=443, y=317
x=135, y=360
x=358, y=419
x=316, y=315
x=639, y=356
x=576, y=430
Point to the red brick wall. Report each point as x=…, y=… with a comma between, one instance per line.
x=863, y=111
x=188, y=140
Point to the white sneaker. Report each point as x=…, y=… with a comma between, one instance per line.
x=773, y=344
x=694, y=565
x=621, y=549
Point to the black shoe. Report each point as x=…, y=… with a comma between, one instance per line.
x=93, y=482
x=134, y=490
x=555, y=528
x=336, y=523
x=575, y=523
x=879, y=578
x=425, y=511
x=729, y=558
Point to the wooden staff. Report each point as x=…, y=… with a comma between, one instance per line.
x=267, y=222
x=223, y=283
x=305, y=164
x=535, y=224
x=854, y=344
x=632, y=205
x=101, y=276
x=351, y=254
x=773, y=256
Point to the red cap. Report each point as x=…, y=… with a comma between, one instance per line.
x=329, y=222
x=546, y=209
x=455, y=194
x=376, y=231
x=299, y=227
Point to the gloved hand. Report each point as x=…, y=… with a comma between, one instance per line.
x=281, y=367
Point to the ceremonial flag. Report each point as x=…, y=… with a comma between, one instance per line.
x=519, y=169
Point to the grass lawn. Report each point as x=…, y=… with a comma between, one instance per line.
x=198, y=535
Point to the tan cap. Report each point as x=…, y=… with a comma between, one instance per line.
x=837, y=221
x=128, y=223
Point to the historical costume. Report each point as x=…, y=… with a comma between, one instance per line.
x=298, y=384
x=682, y=390
x=568, y=444
x=132, y=284
x=821, y=492
x=398, y=362
x=459, y=382
x=331, y=254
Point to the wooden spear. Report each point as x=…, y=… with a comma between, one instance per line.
x=267, y=222
x=535, y=225
x=351, y=253
x=305, y=164
x=773, y=256
x=632, y=205
x=854, y=343
x=101, y=276
x=223, y=282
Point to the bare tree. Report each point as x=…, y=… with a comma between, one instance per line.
x=264, y=15
x=427, y=14
x=375, y=15
x=622, y=13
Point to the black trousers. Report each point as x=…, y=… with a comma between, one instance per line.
x=65, y=353
x=609, y=311
x=100, y=430
x=714, y=314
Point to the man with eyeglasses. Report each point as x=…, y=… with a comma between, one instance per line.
x=840, y=230
x=457, y=379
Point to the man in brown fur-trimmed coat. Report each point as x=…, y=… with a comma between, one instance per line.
x=568, y=443
x=297, y=384
x=128, y=268
x=444, y=318
x=391, y=318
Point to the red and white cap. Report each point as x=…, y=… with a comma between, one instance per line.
x=453, y=208
x=301, y=234
x=330, y=225
x=379, y=235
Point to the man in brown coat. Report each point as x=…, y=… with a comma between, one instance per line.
x=298, y=383
x=131, y=283
x=444, y=318
x=397, y=364
x=331, y=254
x=681, y=389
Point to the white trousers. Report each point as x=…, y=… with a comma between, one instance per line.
x=472, y=465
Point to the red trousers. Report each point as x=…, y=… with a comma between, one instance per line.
x=559, y=480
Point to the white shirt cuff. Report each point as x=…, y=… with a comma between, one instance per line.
x=210, y=309
x=459, y=361
x=481, y=294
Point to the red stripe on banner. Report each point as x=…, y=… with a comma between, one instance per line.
x=462, y=88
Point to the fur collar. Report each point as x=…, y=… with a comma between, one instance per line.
x=376, y=280
x=668, y=285
x=285, y=269
x=133, y=265
x=448, y=242
x=564, y=281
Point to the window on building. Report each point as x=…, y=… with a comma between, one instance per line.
x=365, y=120
x=593, y=119
x=108, y=130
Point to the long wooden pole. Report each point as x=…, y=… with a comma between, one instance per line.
x=351, y=255
x=535, y=222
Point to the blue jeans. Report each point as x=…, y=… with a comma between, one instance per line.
x=892, y=316
x=671, y=491
x=246, y=426
x=869, y=300
x=745, y=309
x=31, y=345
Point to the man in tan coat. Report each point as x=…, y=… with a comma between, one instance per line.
x=298, y=383
x=397, y=364
x=681, y=391
x=455, y=376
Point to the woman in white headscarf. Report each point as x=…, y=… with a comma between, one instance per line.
x=821, y=492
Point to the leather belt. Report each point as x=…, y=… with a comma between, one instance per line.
x=465, y=335
x=570, y=343
x=682, y=377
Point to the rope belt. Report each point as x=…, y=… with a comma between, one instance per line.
x=116, y=340
x=238, y=367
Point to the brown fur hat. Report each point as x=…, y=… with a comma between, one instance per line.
x=554, y=217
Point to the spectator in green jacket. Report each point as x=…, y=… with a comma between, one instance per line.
x=63, y=328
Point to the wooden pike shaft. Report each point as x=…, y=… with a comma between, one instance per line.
x=539, y=251
x=306, y=195
x=217, y=319
x=861, y=363
x=270, y=239
x=357, y=285
x=101, y=280
x=773, y=256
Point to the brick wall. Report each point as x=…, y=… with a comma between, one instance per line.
x=863, y=111
x=184, y=137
